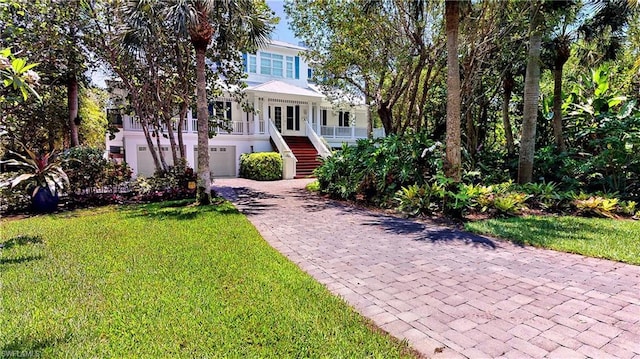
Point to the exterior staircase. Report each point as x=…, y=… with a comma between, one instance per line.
x=305, y=153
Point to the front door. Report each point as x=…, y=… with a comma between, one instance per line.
x=293, y=120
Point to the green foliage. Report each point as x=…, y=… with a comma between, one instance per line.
x=86, y=168
x=596, y=205
x=414, y=199
x=261, y=166
x=313, y=186
x=168, y=280
x=17, y=74
x=93, y=127
x=10, y=199
x=374, y=170
x=595, y=237
x=169, y=185
x=37, y=171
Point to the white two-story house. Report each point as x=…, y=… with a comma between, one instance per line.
x=292, y=117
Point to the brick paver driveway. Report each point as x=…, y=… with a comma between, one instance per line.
x=450, y=293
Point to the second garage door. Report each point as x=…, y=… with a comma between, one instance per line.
x=222, y=160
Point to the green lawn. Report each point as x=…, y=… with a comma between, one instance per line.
x=603, y=238
x=167, y=280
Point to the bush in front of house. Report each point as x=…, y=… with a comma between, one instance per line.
x=86, y=168
x=374, y=170
x=261, y=166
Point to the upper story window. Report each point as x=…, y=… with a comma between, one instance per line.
x=252, y=64
x=270, y=64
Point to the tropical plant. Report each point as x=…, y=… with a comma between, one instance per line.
x=17, y=74
x=37, y=172
x=414, y=200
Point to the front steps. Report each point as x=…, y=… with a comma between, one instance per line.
x=305, y=153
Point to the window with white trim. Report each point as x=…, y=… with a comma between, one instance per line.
x=252, y=64
x=289, y=63
x=275, y=65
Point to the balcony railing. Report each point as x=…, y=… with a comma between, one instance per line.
x=237, y=127
x=339, y=132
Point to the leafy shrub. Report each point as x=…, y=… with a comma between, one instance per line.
x=261, y=166
x=12, y=200
x=596, y=205
x=510, y=203
x=86, y=168
x=374, y=170
x=117, y=175
x=313, y=186
x=169, y=185
x=414, y=199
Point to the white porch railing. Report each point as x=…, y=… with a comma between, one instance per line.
x=321, y=147
x=237, y=128
x=289, y=159
x=348, y=132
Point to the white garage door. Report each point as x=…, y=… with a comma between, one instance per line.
x=146, y=167
x=222, y=160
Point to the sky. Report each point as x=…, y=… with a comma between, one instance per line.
x=282, y=31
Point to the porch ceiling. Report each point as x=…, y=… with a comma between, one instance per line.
x=284, y=88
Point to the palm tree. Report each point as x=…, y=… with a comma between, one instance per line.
x=531, y=95
x=235, y=25
x=453, y=167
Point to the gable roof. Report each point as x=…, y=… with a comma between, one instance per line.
x=281, y=87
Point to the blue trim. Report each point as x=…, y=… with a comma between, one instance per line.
x=245, y=62
x=297, y=66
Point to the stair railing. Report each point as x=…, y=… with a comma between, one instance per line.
x=318, y=143
x=288, y=158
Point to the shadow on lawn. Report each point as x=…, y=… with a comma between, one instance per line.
x=20, y=241
x=30, y=348
x=177, y=210
x=19, y=260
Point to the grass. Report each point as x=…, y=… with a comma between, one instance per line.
x=167, y=280
x=602, y=238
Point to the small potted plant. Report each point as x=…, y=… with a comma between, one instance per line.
x=41, y=175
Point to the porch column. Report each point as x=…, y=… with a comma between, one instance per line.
x=265, y=114
x=353, y=132
x=256, y=117
x=309, y=117
x=319, y=117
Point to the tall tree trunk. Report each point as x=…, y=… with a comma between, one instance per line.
x=557, y=109
x=172, y=139
x=507, y=86
x=150, y=145
x=163, y=162
x=386, y=117
x=531, y=99
x=72, y=101
x=183, y=117
x=453, y=161
x=203, y=194
x=563, y=51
